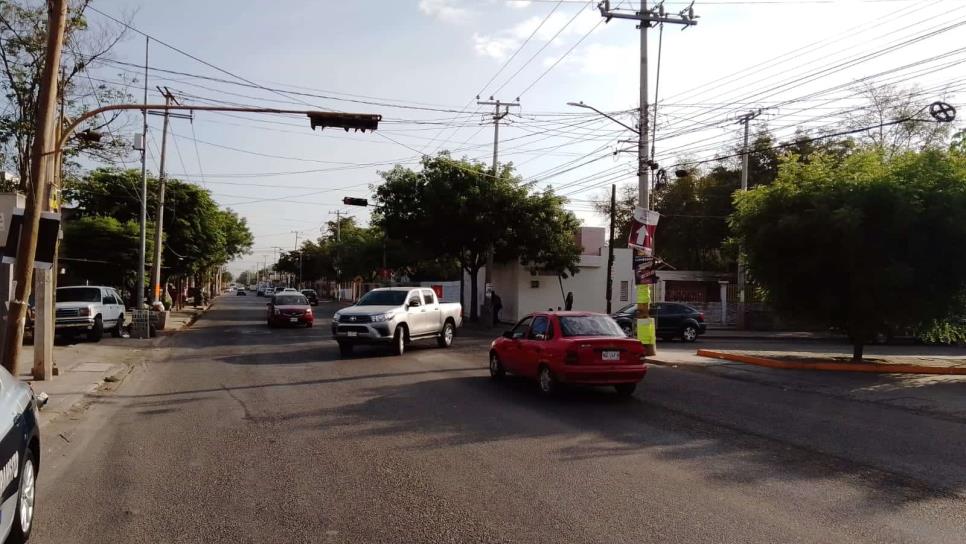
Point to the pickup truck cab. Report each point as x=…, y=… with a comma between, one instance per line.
x=396, y=316
x=90, y=310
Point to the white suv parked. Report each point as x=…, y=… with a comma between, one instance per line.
x=90, y=310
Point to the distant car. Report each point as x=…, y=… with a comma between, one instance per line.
x=19, y=458
x=269, y=291
x=289, y=290
x=674, y=320
x=289, y=309
x=312, y=296
x=241, y=293
x=569, y=347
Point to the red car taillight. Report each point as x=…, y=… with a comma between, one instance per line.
x=571, y=357
x=701, y=317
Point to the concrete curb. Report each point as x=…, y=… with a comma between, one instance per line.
x=832, y=367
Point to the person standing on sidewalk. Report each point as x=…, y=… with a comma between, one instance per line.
x=569, y=301
x=497, y=304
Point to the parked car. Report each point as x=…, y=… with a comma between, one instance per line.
x=19, y=457
x=269, y=291
x=288, y=309
x=312, y=296
x=287, y=290
x=89, y=310
x=241, y=293
x=674, y=320
x=569, y=347
x=396, y=316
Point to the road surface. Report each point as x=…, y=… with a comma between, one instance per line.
x=232, y=432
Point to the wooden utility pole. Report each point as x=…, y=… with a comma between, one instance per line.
x=156, y=293
x=40, y=172
x=610, y=246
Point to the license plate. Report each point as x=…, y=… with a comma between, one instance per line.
x=293, y=319
x=610, y=355
x=352, y=334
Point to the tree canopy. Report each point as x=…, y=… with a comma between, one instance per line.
x=459, y=209
x=866, y=243
x=198, y=235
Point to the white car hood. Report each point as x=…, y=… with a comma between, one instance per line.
x=367, y=310
x=74, y=304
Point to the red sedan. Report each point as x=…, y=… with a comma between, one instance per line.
x=569, y=347
x=290, y=309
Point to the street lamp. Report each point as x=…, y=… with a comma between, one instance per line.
x=589, y=107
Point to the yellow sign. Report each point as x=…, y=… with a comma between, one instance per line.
x=645, y=331
x=643, y=294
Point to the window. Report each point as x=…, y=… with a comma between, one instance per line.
x=538, y=331
x=414, y=300
x=290, y=300
x=522, y=328
x=78, y=294
x=624, y=290
x=427, y=296
x=382, y=298
x=590, y=325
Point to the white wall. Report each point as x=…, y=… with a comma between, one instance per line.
x=513, y=283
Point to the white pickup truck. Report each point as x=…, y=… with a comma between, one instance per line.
x=396, y=316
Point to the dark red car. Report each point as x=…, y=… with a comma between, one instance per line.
x=569, y=347
x=290, y=308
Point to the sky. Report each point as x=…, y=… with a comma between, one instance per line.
x=421, y=64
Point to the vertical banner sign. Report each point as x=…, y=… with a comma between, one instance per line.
x=641, y=238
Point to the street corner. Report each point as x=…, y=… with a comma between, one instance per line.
x=828, y=362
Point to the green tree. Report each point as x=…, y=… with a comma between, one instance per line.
x=23, y=35
x=102, y=250
x=459, y=209
x=862, y=244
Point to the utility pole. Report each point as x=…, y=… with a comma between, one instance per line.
x=645, y=18
x=488, y=270
x=610, y=246
x=159, y=217
x=40, y=172
x=142, y=249
x=744, y=120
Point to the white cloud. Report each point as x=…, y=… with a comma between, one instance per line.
x=501, y=44
x=603, y=60
x=519, y=4
x=449, y=11
x=493, y=46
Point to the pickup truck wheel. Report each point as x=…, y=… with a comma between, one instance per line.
x=445, y=338
x=118, y=327
x=97, y=332
x=399, y=341
x=345, y=349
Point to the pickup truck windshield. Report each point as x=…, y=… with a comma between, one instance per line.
x=590, y=325
x=78, y=294
x=383, y=298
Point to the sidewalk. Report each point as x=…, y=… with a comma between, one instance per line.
x=84, y=368
x=940, y=395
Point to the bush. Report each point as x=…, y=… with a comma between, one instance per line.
x=942, y=331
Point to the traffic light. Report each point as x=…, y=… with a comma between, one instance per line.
x=355, y=121
x=349, y=201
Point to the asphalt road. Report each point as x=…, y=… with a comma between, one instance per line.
x=235, y=433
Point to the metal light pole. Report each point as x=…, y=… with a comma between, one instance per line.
x=744, y=120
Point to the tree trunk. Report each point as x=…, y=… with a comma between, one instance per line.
x=857, y=349
x=474, y=311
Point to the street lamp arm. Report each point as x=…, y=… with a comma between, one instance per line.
x=619, y=122
x=361, y=121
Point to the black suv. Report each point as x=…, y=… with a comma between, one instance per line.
x=674, y=320
x=312, y=296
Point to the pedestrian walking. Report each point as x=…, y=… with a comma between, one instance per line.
x=569, y=302
x=497, y=304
